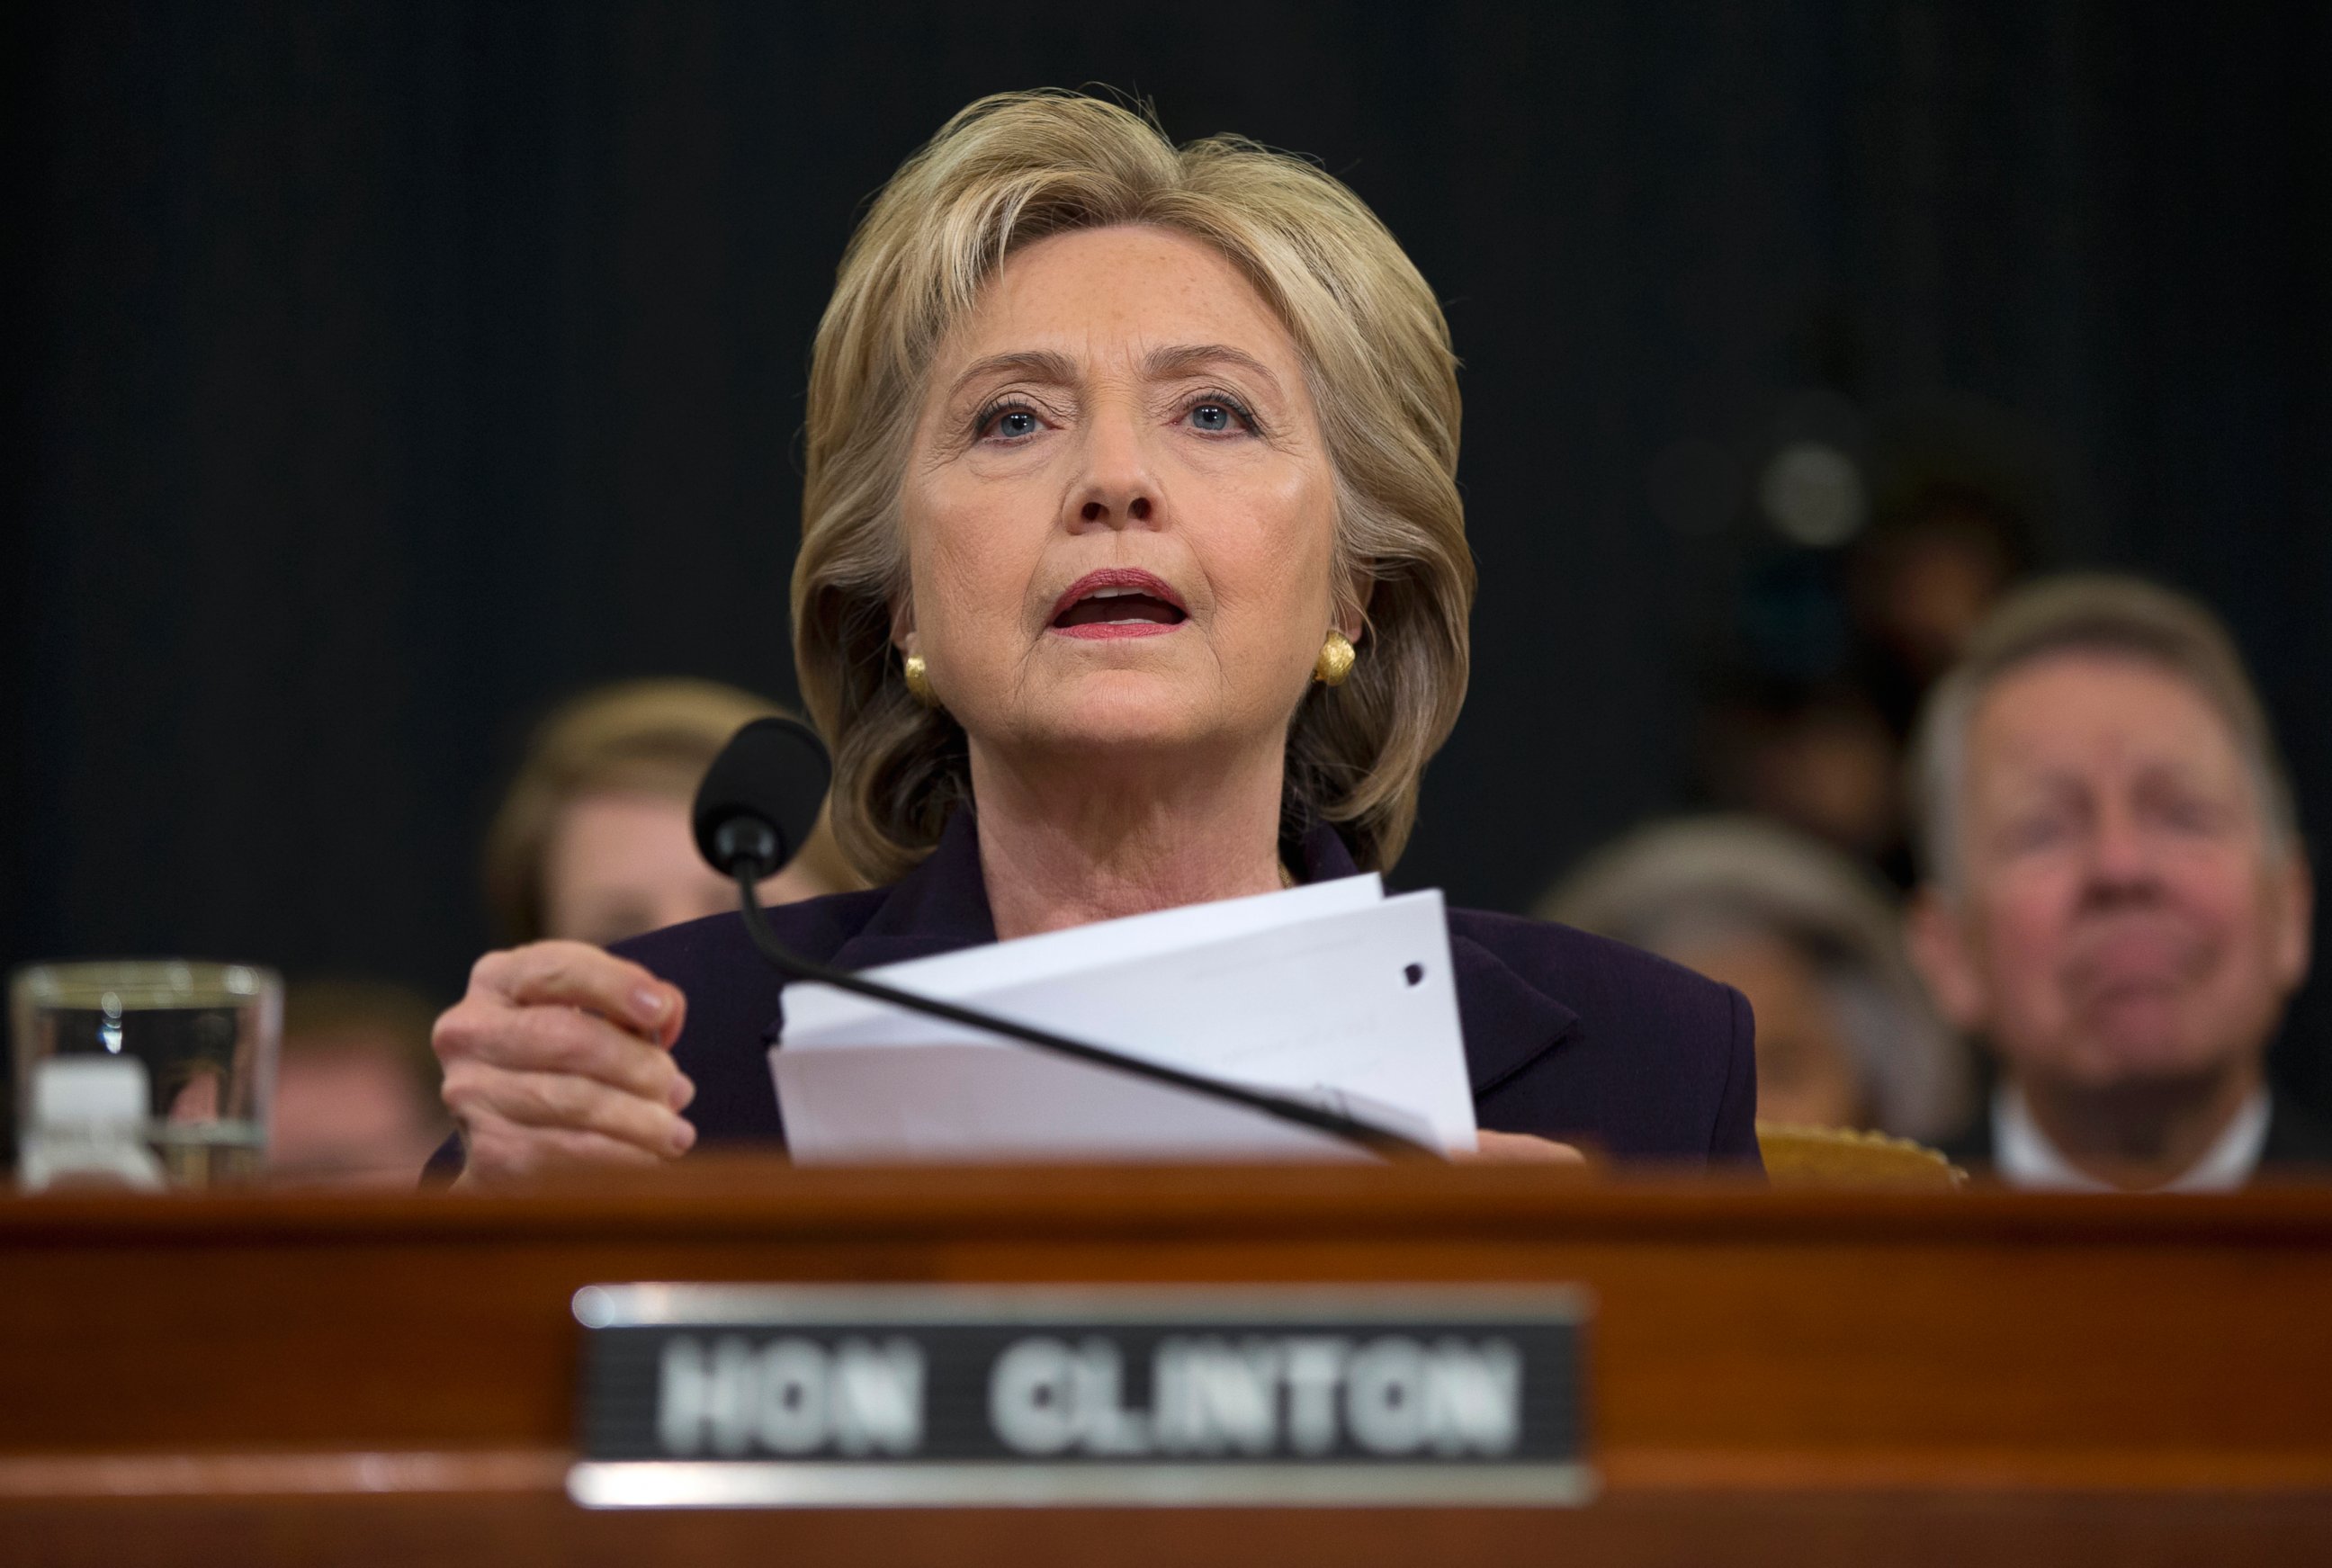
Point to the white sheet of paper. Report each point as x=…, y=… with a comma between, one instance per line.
x=973, y=1102
x=1315, y=996
x=981, y=971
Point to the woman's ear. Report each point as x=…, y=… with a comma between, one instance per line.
x=903, y=624
x=1351, y=608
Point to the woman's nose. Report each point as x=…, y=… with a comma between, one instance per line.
x=1117, y=489
x=1134, y=508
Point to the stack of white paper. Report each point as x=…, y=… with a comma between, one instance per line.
x=1333, y=993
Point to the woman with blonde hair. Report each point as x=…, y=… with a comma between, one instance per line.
x=1133, y=575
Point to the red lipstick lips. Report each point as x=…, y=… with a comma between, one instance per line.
x=1118, y=602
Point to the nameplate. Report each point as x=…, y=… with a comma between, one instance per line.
x=816, y=1396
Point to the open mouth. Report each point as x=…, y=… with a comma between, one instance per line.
x=1118, y=604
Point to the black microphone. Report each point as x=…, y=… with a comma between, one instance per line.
x=759, y=802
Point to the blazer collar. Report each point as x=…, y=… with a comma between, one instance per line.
x=941, y=906
x=938, y=907
x=942, y=903
x=1508, y=1022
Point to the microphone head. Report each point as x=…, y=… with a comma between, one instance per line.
x=762, y=796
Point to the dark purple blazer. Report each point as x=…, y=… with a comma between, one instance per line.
x=1567, y=1036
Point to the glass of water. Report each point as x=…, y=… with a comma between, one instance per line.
x=143, y=1072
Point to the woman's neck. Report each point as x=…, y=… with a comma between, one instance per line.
x=1062, y=847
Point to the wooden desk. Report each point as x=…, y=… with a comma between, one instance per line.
x=277, y=1377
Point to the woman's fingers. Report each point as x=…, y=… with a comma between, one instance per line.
x=553, y=1038
x=1521, y=1149
x=577, y=975
x=498, y=1151
x=561, y=1007
x=562, y=1102
x=559, y=1054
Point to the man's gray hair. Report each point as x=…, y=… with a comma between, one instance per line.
x=2092, y=614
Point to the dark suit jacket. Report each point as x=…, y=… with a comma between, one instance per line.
x=2295, y=1136
x=1567, y=1036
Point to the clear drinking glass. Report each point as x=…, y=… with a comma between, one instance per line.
x=143, y=1071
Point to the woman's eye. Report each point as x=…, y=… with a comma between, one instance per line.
x=1217, y=416
x=1014, y=423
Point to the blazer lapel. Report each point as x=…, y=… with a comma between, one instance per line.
x=940, y=907
x=1508, y=1022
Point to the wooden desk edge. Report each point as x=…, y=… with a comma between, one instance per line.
x=1623, y=1473
x=739, y=1196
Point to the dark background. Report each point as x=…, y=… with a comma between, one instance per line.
x=381, y=372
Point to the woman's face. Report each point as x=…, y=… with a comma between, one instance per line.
x=1806, y=1075
x=622, y=861
x=1119, y=512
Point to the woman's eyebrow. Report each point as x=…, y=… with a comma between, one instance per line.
x=1029, y=365
x=1189, y=359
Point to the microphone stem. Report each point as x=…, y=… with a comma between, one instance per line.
x=1378, y=1140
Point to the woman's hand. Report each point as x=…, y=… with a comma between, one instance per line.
x=561, y=1054
x=1520, y=1149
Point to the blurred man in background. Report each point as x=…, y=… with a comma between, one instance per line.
x=2117, y=898
x=593, y=842
x=1845, y=1037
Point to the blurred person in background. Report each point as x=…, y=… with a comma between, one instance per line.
x=1817, y=758
x=593, y=843
x=356, y=1085
x=1835, y=651
x=1921, y=582
x=2117, y=898
x=1845, y=1037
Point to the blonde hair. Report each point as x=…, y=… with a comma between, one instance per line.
x=318, y=1014
x=2095, y=613
x=637, y=737
x=1015, y=169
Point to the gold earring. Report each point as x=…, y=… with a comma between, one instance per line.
x=1335, y=660
x=919, y=679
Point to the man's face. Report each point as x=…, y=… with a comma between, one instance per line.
x=2122, y=919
